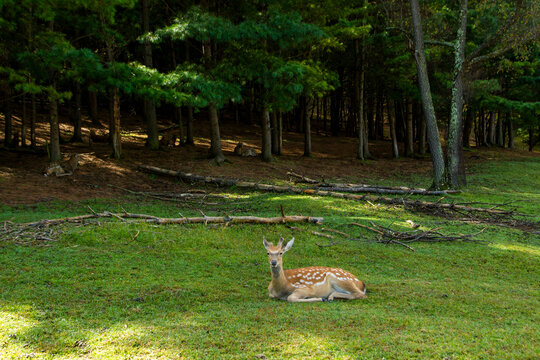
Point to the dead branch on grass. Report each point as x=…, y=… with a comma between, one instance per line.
x=311, y=232
x=40, y=230
x=387, y=235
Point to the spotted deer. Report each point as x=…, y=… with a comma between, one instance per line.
x=315, y=283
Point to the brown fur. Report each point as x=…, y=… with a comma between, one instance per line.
x=315, y=283
x=242, y=149
x=64, y=168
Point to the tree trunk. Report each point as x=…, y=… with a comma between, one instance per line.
x=370, y=116
x=24, y=120
x=115, y=137
x=76, y=118
x=189, y=122
x=177, y=110
x=492, y=130
x=93, y=108
x=454, y=158
x=149, y=105
x=266, y=136
x=8, y=125
x=409, y=136
x=280, y=134
x=511, y=144
x=33, y=118
x=54, y=146
x=215, y=144
x=500, y=129
x=379, y=118
x=334, y=113
x=307, y=128
x=429, y=112
x=359, y=98
x=467, y=127
x=275, y=133
x=392, y=120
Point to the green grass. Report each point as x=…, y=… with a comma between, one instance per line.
x=199, y=292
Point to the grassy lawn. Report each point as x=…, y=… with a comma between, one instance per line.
x=199, y=292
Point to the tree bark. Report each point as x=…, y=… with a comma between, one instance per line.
x=33, y=118
x=392, y=120
x=455, y=146
x=266, y=136
x=149, y=105
x=275, y=133
x=24, y=120
x=492, y=130
x=54, y=147
x=8, y=125
x=409, y=137
x=215, y=144
x=115, y=137
x=189, y=122
x=280, y=134
x=359, y=98
x=93, y=108
x=379, y=117
x=500, y=129
x=307, y=128
x=427, y=102
x=467, y=127
x=510, y=126
x=76, y=118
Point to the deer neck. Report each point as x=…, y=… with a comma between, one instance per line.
x=279, y=279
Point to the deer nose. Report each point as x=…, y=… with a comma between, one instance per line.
x=273, y=262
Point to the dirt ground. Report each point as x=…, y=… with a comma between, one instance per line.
x=22, y=180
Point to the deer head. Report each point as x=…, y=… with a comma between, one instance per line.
x=275, y=253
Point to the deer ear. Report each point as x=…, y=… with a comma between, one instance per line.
x=266, y=243
x=289, y=245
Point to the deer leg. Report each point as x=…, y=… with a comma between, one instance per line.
x=338, y=295
x=352, y=292
x=302, y=296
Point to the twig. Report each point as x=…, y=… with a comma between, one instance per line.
x=311, y=232
x=337, y=232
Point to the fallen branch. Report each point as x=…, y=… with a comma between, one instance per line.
x=311, y=232
x=40, y=230
x=302, y=178
x=430, y=207
x=183, y=220
x=387, y=235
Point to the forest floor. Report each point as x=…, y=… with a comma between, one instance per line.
x=99, y=176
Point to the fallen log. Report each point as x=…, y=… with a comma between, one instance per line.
x=431, y=207
x=382, y=190
x=363, y=188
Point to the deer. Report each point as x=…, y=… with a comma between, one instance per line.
x=309, y=284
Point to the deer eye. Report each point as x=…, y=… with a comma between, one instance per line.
x=268, y=253
x=280, y=253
